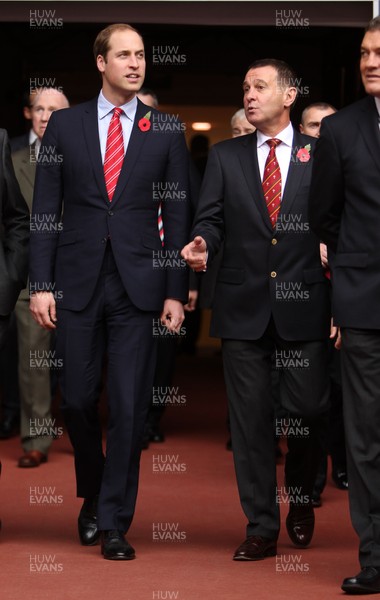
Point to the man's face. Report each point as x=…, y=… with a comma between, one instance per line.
x=370, y=62
x=313, y=118
x=148, y=100
x=266, y=101
x=242, y=127
x=123, y=69
x=43, y=103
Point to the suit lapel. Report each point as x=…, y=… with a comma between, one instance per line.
x=369, y=126
x=250, y=166
x=91, y=134
x=136, y=142
x=296, y=172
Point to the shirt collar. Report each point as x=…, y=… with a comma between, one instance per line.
x=286, y=136
x=105, y=107
x=32, y=137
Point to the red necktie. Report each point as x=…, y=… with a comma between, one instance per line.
x=272, y=182
x=114, y=156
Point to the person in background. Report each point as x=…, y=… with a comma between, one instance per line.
x=34, y=382
x=240, y=125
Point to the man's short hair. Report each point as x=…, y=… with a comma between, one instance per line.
x=373, y=25
x=286, y=75
x=240, y=114
x=320, y=105
x=144, y=91
x=102, y=45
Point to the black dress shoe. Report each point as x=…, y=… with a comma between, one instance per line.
x=340, y=479
x=88, y=522
x=366, y=582
x=300, y=524
x=114, y=546
x=256, y=547
x=9, y=427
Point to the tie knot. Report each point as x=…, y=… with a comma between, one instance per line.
x=117, y=112
x=273, y=143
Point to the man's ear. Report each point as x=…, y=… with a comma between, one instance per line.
x=290, y=96
x=28, y=113
x=100, y=63
x=301, y=128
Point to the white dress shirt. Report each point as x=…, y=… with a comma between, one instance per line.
x=283, y=152
x=105, y=111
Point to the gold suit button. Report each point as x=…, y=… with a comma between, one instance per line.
x=273, y=274
x=274, y=242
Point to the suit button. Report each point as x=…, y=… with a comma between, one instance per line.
x=274, y=242
x=273, y=274
x=110, y=212
x=105, y=240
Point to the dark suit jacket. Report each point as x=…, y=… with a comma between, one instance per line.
x=264, y=271
x=25, y=171
x=345, y=210
x=70, y=178
x=19, y=142
x=14, y=232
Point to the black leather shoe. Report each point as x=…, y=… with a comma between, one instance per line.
x=9, y=427
x=300, y=524
x=316, y=500
x=88, y=522
x=340, y=479
x=114, y=546
x=256, y=547
x=366, y=582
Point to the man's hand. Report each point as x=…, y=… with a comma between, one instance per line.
x=172, y=315
x=43, y=309
x=192, y=301
x=335, y=333
x=195, y=254
x=323, y=254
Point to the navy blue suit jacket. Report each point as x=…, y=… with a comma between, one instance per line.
x=72, y=216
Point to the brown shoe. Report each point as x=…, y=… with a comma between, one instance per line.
x=300, y=524
x=33, y=458
x=256, y=547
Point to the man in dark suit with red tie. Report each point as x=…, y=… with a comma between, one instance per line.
x=271, y=297
x=104, y=287
x=345, y=214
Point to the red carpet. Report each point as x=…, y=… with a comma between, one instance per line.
x=187, y=524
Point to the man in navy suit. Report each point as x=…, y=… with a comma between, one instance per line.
x=102, y=278
x=345, y=214
x=271, y=297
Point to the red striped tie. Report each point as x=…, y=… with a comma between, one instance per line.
x=114, y=156
x=272, y=182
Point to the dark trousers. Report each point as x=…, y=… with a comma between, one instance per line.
x=361, y=406
x=304, y=390
x=112, y=324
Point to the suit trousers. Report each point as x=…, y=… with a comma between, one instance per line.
x=34, y=356
x=304, y=391
x=110, y=323
x=361, y=410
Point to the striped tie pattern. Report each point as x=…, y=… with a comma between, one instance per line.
x=160, y=224
x=272, y=182
x=114, y=155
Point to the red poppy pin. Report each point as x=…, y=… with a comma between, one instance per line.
x=144, y=123
x=303, y=154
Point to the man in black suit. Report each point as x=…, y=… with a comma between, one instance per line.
x=14, y=236
x=271, y=297
x=345, y=213
x=107, y=280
